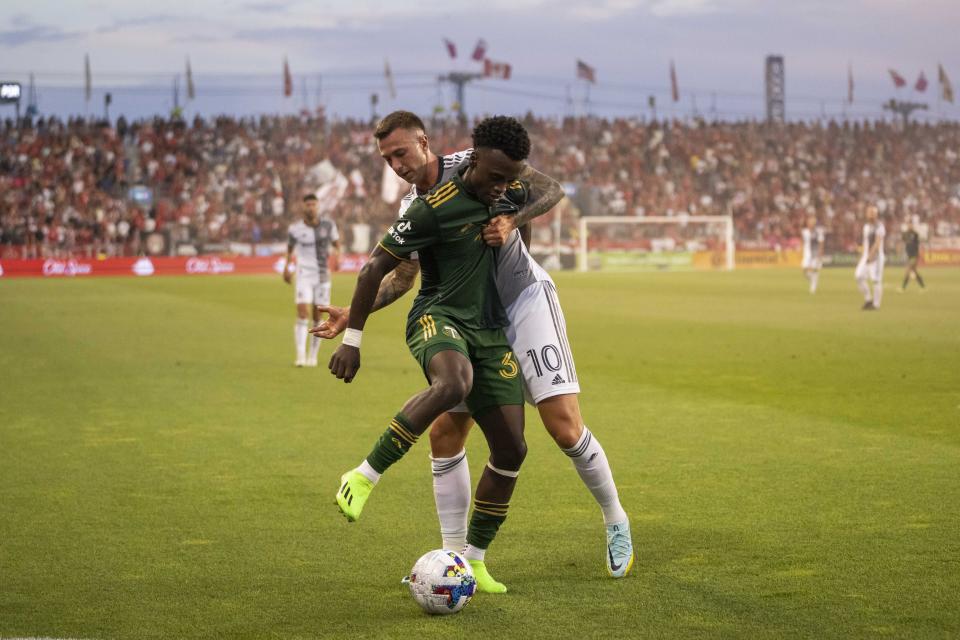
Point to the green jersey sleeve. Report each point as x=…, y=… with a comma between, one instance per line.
x=416, y=230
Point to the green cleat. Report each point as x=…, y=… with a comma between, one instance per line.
x=485, y=581
x=354, y=490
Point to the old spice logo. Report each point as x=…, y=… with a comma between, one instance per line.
x=209, y=265
x=66, y=268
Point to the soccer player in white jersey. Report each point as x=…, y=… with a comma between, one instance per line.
x=310, y=240
x=870, y=267
x=537, y=333
x=812, y=252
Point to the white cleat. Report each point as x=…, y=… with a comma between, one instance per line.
x=300, y=361
x=310, y=362
x=619, y=549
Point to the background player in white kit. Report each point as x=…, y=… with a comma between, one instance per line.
x=311, y=241
x=813, y=237
x=870, y=267
x=537, y=333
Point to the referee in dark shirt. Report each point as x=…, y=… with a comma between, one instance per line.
x=911, y=241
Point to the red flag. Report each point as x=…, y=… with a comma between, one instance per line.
x=921, y=83
x=287, y=79
x=898, y=80
x=946, y=89
x=493, y=69
x=451, y=47
x=480, y=51
x=586, y=72
x=674, y=89
x=849, y=84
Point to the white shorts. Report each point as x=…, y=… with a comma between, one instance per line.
x=311, y=291
x=870, y=271
x=810, y=262
x=538, y=336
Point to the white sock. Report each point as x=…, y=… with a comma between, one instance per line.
x=590, y=461
x=314, y=346
x=451, y=492
x=814, y=277
x=369, y=472
x=300, y=336
x=877, y=293
x=864, y=289
x=471, y=552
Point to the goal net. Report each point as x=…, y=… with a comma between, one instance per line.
x=617, y=243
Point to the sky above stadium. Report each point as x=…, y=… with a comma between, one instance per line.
x=337, y=51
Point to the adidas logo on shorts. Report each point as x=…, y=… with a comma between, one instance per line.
x=558, y=380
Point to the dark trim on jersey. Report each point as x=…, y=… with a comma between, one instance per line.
x=557, y=318
x=321, y=264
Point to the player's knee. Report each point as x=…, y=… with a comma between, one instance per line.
x=451, y=392
x=509, y=454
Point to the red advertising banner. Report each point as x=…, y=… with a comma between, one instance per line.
x=155, y=266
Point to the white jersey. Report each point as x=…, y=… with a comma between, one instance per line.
x=516, y=268
x=311, y=246
x=812, y=243
x=873, y=231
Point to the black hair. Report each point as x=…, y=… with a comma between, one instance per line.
x=503, y=133
x=309, y=197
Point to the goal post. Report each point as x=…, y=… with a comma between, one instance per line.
x=655, y=242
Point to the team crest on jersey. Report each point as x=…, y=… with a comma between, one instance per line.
x=450, y=331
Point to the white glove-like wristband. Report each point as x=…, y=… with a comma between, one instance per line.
x=352, y=337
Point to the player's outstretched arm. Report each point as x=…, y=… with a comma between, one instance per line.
x=345, y=361
x=392, y=287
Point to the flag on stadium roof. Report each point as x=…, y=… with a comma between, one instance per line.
x=287, y=79
x=921, y=84
x=87, y=79
x=898, y=80
x=391, y=87
x=586, y=72
x=849, y=83
x=451, y=47
x=674, y=89
x=480, y=51
x=493, y=69
x=191, y=94
x=946, y=89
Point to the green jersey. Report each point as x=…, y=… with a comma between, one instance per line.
x=444, y=228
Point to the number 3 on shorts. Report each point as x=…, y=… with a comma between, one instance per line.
x=510, y=367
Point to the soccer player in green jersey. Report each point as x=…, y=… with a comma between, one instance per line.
x=454, y=330
x=911, y=244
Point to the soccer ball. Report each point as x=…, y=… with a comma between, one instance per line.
x=442, y=582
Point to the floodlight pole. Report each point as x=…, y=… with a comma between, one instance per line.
x=460, y=80
x=903, y=108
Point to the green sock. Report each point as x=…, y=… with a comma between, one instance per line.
x=392, y=444
x=485, y=522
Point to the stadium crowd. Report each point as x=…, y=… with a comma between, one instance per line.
x=65, y=185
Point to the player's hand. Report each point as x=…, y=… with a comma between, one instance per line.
x=496, y=232
x=345, y=362
x=287, y=276
x=335, y=323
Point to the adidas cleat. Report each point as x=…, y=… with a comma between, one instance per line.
x=619, y=549
x=354, y=490
x=485, y=581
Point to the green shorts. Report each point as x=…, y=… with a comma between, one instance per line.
x=496, y=373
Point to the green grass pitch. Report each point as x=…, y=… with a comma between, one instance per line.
x=791, y=465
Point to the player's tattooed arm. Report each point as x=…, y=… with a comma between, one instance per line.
x=396, y=283
x=544, y=194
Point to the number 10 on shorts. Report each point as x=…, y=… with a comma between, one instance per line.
x=548, y=357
